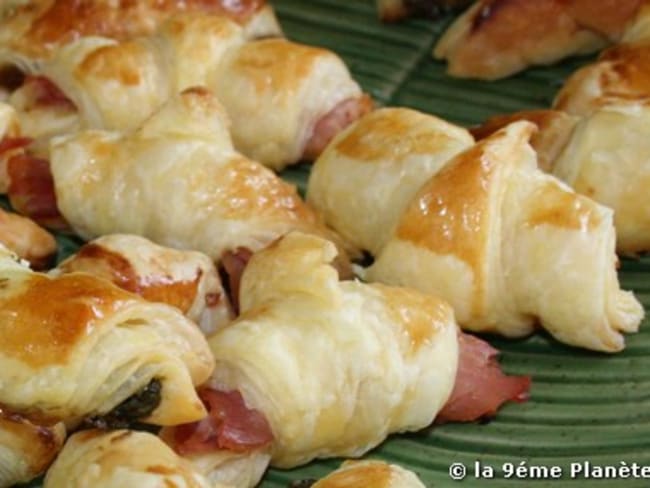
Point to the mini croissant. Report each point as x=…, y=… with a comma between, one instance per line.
x=367, y=176
x=178, y=181
x=497, y=38
x=285, y=100
x=508, y=245
x=76, y=346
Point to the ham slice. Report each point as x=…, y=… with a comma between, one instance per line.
x=44, y=93
x=481, y=387
x=234, y=263
x=31, y=190
x=10, y=143
x=328, y=126
x=230, y=425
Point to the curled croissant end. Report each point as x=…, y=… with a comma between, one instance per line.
x=27, y=448
x=187, y=280
x=107, y=459
x=27, y=240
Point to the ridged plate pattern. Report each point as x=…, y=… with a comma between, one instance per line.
x=584, y=406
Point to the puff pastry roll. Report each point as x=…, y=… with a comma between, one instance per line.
x=26, y=449
x=393, y=356
x=76, y=346
x=286, y=100
x=177, y=181
x=33, y=30
x=118, y=85
x=367, y=176
x=496, y=38
x=370, y=474
x=119, y=459
x=187, y=280
x=508, y=245
x=317, y=367
x=27, y=240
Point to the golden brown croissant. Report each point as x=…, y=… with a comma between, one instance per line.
x=507, y=245
x=496, y=38
x=367, y=176
x=285, y=100
x=317, y=367
x=76, y=346
x=178, y=181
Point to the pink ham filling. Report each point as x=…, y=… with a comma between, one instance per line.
x=337, y=119
x=481, y=387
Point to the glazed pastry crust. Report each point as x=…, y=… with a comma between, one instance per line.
x=496, y=38
x=178, y=181
x=370, y=474
x=506, y=244
x=34, y=29
x=274, y=91
x=393, y=354
x=118, y=85
x=187, y=280
x=368, y=174
x=121, y=458
x=78, y=346
x=286, y=88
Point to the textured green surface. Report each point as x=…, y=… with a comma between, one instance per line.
x=583, y=406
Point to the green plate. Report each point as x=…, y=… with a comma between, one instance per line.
x=584, y=407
